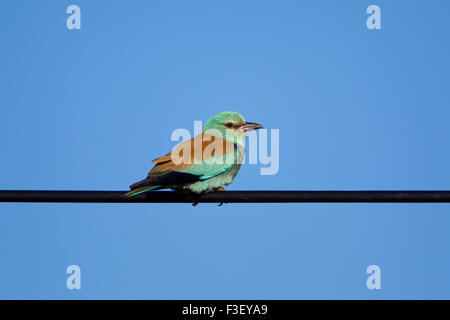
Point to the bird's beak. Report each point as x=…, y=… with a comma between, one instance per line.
x=249, y=126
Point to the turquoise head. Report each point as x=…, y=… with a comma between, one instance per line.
x=231, y=125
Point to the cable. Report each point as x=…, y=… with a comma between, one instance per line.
x=398, y=196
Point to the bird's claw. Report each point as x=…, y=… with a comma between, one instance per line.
x=213, y=190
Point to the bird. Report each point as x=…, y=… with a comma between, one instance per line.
x=204, y=163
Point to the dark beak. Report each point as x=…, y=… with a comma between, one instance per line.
x=249, y=126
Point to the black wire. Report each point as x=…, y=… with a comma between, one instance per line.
x=399, y=196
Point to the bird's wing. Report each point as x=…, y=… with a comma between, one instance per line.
x=188, y=163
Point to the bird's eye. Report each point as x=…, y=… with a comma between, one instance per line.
x=228, y=124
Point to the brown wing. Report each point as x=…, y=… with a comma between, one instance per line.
x=168, y=169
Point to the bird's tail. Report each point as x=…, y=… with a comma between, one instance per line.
x=136, y=191
x=141, y=187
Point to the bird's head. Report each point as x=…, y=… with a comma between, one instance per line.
x=231, y=124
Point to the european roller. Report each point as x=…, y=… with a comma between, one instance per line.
x=204, y=163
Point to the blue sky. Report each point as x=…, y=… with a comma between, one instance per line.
x=356, y=109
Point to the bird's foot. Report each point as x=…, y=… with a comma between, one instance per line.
x=219, y=189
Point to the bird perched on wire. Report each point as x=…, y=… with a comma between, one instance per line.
x=204, y=163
